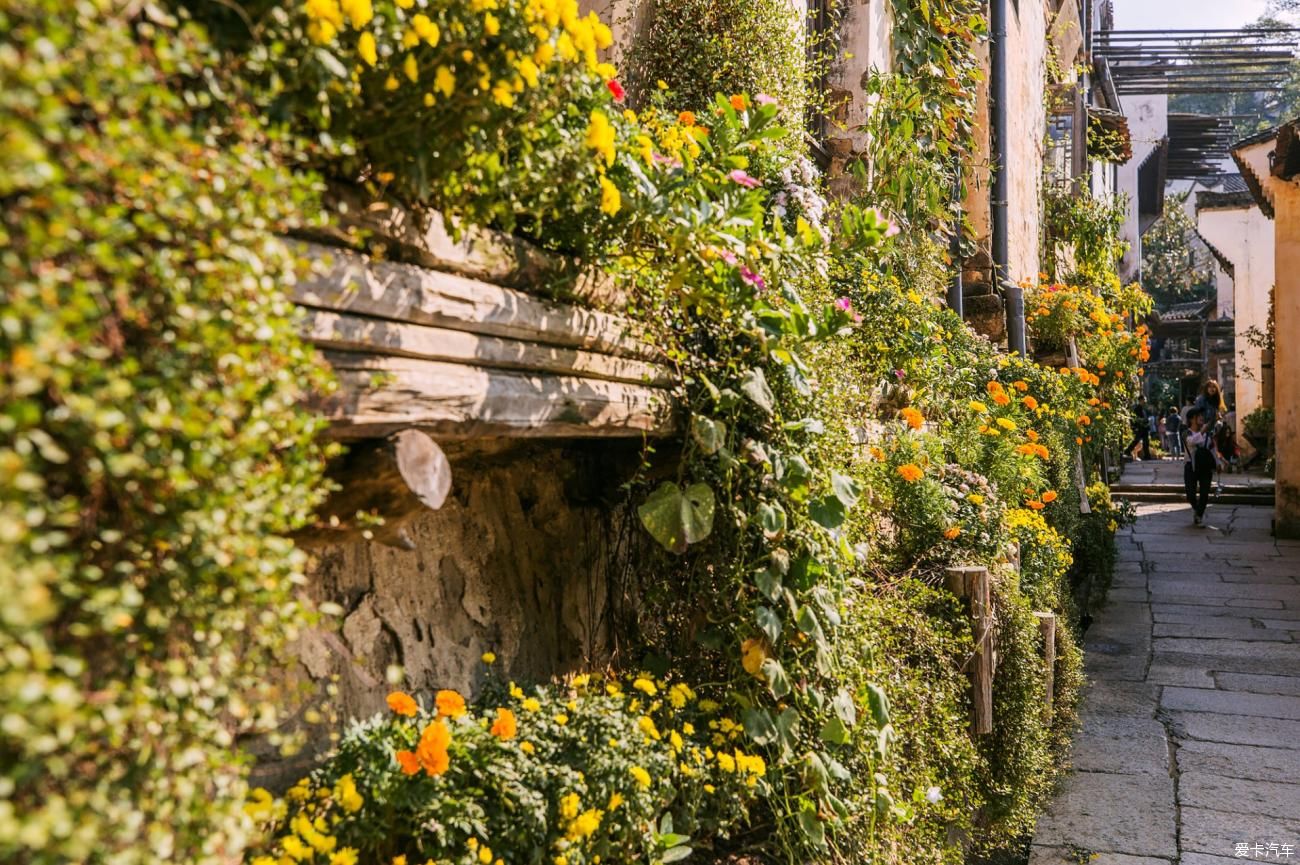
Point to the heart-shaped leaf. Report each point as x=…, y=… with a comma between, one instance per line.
x=759, y=726
x=770, y=622
x=777, y=680
x=827, y=511
x=708, y=433
x=846, y=489
x=677, y=518
x=754, y=386
x=772, y=520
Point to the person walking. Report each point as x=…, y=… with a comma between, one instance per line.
x=1173, y=432
x=1198, y=470
x=1210, y=404
x=1141, y=425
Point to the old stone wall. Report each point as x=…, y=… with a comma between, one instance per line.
x=519, y=561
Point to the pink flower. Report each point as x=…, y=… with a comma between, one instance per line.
x=739, y=176
x=752, y=278
x=616, y=90
x=728, y=256
x=764, y=99
x=892, y=227
x=660, y=159
x=843, y=304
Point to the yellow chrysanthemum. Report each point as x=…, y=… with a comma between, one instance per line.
x=600, y=136
x=359, y=12
x=611, y=200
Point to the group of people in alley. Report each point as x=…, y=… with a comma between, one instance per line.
x=1201, y=434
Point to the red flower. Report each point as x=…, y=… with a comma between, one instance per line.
x=616, y=90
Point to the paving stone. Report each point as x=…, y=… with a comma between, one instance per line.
x=1121, y=594
x=1178, y=612
x=1265, y=655
x=1121, y=745
x=1206, y=859
x=1131, y=699
x=1129, y=814
x=1187, y=675
x=1237, y=794
x=1217, y=832
x=1214, y=663
x=1063, y=856
x=1231, y=703
x=1219, y=589
x=1239, y=730
x=1259, y=684
x=1237, y=761
x=1240, y=629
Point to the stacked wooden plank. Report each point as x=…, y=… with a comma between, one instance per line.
x=452, y=339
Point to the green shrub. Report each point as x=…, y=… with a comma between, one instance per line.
x=586, y=771
x=152, y=454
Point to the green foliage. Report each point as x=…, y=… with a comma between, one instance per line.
x=586, y=771
x=1107, y=144
x=1082, y=235
x=1175, y=267
x=151, y=452
x=697, y=48
x=1259, y=423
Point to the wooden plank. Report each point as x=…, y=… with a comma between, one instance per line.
x=974, y=585
x=380, y=395
x=346, y=281
x=1047, y=628
x=366, y=335
x=425, y=238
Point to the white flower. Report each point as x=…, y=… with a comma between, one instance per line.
x=933, y=795
x=779, y=211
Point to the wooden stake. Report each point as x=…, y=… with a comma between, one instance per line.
x=974, y=585
x=1047, y=627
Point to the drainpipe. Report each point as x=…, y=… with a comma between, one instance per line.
x=956, y=299
x=1015, y=302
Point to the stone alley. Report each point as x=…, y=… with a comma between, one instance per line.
x=1190, y=745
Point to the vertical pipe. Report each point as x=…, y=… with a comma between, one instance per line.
x=998, y=125
x=956, y=299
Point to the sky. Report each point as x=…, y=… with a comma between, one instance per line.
x=1185, y=14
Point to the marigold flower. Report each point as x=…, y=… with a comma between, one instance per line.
x=645, y=686
x=611, y=200
x=910, y=472
x=641, y=775
x=402, y=703
x=738, y=102
x=877, y=453
x=1001, y=399
x=600, y=136
x=1035, y=505
x=432, y=749
x=993, y=387
x=359, y=12
x=426, y=29
x=504, y=727
x=1020, y=385
x=975, y=499
x=976, y=405
x=912, y=417
x=1030, y=403
x=1084, y=420
x=1031, y=435
x=952, y=533
x=366, y=48
x=449, y=703
x=1049, y=496
x=408, y=761
x=1006, y=423
x=686, y=118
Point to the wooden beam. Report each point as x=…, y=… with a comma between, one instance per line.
x=379, y=395
x=381, y=485
x=377, y=336
x=345, y=281
x=424, y=237
x=974, y=585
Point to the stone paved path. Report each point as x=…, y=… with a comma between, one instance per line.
x=1190, y=742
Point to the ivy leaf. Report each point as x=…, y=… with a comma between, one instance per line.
x=842, y=704
x=772, y=519
x=846, y=489
x=759, y=726
x=835, y=733
x=827, y=511
x=770, y=622
x=675, y=518
x=811, y=825
x=777, y=680
x=879, y=703
x=708, y=433
x=676, y=854
x=754, y=386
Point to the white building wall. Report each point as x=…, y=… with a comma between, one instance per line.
x=1245, y=237
x=1148, y=124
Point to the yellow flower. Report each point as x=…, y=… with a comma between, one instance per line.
x=611, y=200
x=295, y=849
x=975, y=499
x=260, y=805
x=527, y=748
x=391, y=83
x=1006, y=423
x=404, y=4
x=327, y=11
x=346, y=856
x=444, y=81
x=410, y=39
x=910, y=472
x=680, y=694
x=429, y=100
x=359, y=12
x=569, y=805
x=647, y=727
x=485, y=855
x=752, y=655
x=641, y=775
x=528, y=71
x=976, y=405
x=345, y=793
x=645, y=686
x=584, y=825
x=914, y=297
x=600, y=136
x=412, y=68
x=491, y=25
x=615, y=800
x=502, y=94
x=426, y=29
x=531, y=705
x=726, y=762
x=561, y=719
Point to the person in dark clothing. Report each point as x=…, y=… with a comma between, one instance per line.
x=1198, y=470
x=1141, y=428
x=1173, y=432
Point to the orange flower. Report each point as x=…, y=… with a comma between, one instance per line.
x=1030, y=403
x=1042, y=452
x=450, y=703
x=686, y=118
x=1084, y=420
x=913, y=418
x=752, y=655
x=1031, y=435
x=877, y=452
x=993, y=387
x=504, y=727
x=432, y=750
x=1027, y=450
x=952, y=533
x=1049, y=496
x=1020, y=385
x=910, y=472
x=1035, y=505
x=402, y=703
x=1001, y=398
x=408, y=761
x=738, y=102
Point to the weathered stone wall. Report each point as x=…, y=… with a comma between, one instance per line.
x=518, y=561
